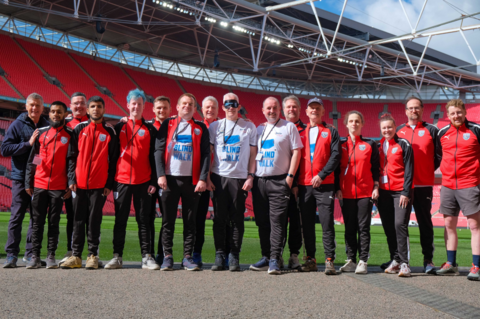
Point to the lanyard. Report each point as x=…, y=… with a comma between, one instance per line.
x=231, y=132
x=50, y=141
x=176, y=130
x=133, y=129
x=353, y=152
x=264, y=140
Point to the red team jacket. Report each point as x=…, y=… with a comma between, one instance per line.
x=424, y=143
x=156, y=124
x=72, y=122
x=397, y=166
x=51, y=146
x=459, y=151
x=325, y=158
x=92, y=152
x=359, y=167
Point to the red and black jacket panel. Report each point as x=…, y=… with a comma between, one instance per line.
x=93, y=150
x=72, y=122
x=300, y=126
x=155, y=123
x=359, y=167
x=397, y=165
x=459, y=152
x=200, y=144
x=51, y=146
x=423, y=140
x=207, y=124
x=326, y=155
x=136, y=163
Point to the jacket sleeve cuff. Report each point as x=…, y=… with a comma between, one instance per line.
x=322, y=175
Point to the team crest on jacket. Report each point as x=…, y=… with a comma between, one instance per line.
x=64, y=140
x=103, y=137
x=466, y=136
x=324, y=134
x=394, y=150
x=196, y=131
x=362, y=147
x=141, y=132
x=421, y=133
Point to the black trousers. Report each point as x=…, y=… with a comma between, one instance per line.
x=70, y=220
x=179, y=187
x=229, y=208
x=422, y=203
x=270, y=197
x=294, y=231
x=311, y=199
x=200, y=218
x=142, y=202
x=153, y=215
x=357, y=214
x=88, y=206
x=46, y=202
x=395, y=224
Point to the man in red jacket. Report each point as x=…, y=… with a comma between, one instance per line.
x=46, y=181
x=459, y=150
x=182, y=156
x=135, y=179
x=91, y=173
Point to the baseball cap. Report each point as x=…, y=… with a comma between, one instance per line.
x=315, y=100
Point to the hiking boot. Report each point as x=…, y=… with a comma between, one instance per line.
x=386, y=265
x=92, y=262
x=448, y=270
x=149, y=263
x=293, y=262
x=11, y=262
x=188, y=264
x=261, y=265
x=67, y=255
x=72, y=262
x=429, y=268
x=167, y=263
x=219, y=262
x=329, y=268
x=273, y=267
x=197, y=259
x=233, y=262
x=404, y=271
x=474, y=273
x=159, y=259
x=310, y=265
x=33, y=263
x=394, y=268
x=361, y=267
x=350, y=266
x=115, y=263
x=51, y=262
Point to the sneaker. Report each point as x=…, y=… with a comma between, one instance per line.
x=329, y=268
x=361, y=267
x=474, y=273
x=115, y=263
x=293, y=262
x=429, y=268
x=188, y=264
x=26, y=260
x=261, y=265
x=233, y=262
x=67, y=255
x=197, y=259
x=159, y=259
x=72, y=262
x=149, y=263
x=92, y=262
x=51, y=262
x=280, y=262
x=219, y=262
x=273, y=267
x=404, y=271
x=33, y=263
x=11, y=262
x=167, y=263
x=386, y=265
x=394, y=268
x=448, y=270
x=350, y=266
x=310, y=265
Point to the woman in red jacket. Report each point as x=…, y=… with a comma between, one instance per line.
x=356, y=184
x=396, y=194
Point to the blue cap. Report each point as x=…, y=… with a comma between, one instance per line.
x=315, y=100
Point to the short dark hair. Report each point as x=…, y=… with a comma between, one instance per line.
x=96, y=98
x=78, y=94
x=162, y=98
x=190, y=95
x=414, y=98
x=61, y=104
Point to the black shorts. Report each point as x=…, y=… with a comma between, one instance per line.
x=453, y=200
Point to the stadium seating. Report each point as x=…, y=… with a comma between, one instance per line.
x=252, y=102
x=6, y=90
x=201, y=91
x=370, y=113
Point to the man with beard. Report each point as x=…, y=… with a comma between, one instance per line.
x=46, y=181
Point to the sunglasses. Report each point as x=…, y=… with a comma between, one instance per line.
x=231, y=103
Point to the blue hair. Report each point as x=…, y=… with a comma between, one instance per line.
x=136, y=94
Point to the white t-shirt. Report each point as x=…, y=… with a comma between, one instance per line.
x=179, y=162
x=313, y=140
x=278, y=145
x=232, y=150
x=385, y=147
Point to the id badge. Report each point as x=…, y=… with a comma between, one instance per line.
x=384, y=179
x=223, y=156
x=259, y=157
x=346, y=170
x=37, y=160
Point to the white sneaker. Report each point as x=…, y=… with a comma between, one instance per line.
x=149, y=263
x=361, y=267
x=404, y=271
x=115, y=263
x=293, y=262
x=350, y=266
x=67, y=255
x=394, y=268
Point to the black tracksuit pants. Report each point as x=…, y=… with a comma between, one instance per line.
x=229, y=206
x=311, y=199
x=270, y=203
x=200, y=218
x=88, y=206
x=46, y=202
x=142, y=202
x=395, y=224
x=357, y=214
x=153, y=215
x=294, y=231
x=422, y=203
x=70, y=221
x=179, y=187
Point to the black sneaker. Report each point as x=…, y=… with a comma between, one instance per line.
x=233, y=262
x=219, y=262
x=385, y=265
x=33, y=263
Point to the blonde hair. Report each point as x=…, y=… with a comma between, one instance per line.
x=455, y=102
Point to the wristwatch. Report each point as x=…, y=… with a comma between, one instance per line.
x=251, y=174
x=290, y=175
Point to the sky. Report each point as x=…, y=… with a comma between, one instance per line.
x=387, y=15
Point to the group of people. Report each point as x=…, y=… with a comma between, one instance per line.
x=292, y=169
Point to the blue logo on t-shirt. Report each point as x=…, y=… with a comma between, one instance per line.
x=231, y=152
x=268, y=144
x=183, y=152
x=312, y=150
x=184, y=138
x=234, y=139
x=268, y=156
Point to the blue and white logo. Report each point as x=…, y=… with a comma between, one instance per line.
x=234, y=139
x=324, y=134
x=141, y=132
x=64, y=140
x=196, y=131
x=184, y=139
x=102, y=137
x=394, y=150
x=466, y=136
x=268, y=144
x=362, y=147
x=421, y=133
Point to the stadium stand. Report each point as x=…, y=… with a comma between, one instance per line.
x=370, y=113
x=6, y=90
x=201, y=91
x=252, y=102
